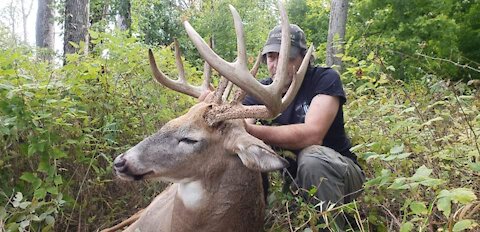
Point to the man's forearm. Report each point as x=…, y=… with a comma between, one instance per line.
x=294, y=136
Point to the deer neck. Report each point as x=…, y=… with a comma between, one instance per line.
x=192, y=194
x=233, y=194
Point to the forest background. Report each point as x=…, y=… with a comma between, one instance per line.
x=410, y=68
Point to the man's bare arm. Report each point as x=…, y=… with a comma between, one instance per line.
x=319, y=118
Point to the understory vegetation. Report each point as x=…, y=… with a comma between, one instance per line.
x=410, y=69
x=61, y=127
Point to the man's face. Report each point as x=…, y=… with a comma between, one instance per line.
x=292, y=67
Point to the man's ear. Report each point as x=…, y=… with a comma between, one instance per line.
x=255, y=154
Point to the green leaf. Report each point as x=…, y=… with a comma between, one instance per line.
x=24, y=204
x=421, y=173
x=397, y=149
x=406, y=227
x=399, y=183
x=430, y=182
x=58, y=180
x=31, y=149
x=444, y=205
x=418, y=208
x=52, y=190
x=24, y=223
x=403, y=155
x=75, y=45
x=44, y=166
x=3, y=213
x=49, y=220
x=93, y=34
x=58, y=154
x=371, y=55
x=391, y=68
x=464, y=224
x=380, y=180
x=48, y=228
x=312, y=191
x=463, y=195
x=475, y=166
x=6, y=86
x=410, y=109
x=29, y=177
x=40, y=193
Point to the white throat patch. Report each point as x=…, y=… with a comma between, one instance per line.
x=191, y=193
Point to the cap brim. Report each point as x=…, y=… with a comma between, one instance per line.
x=294, y=51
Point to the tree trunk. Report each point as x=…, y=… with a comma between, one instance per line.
x=336, y=31
x=25, y=14
x=11, y=9
x=45, y=29
x=76, y=25
x=124, y=20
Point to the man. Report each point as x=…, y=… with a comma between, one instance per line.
x=312, y=127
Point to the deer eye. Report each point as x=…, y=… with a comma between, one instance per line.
x=187, y=140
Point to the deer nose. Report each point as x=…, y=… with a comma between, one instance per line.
x=120, y=163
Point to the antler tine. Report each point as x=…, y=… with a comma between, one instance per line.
x=179, y=63
x=281, y=74
x=222, y=85
x=297, y=80
x=179, y=85
x=227, y=91
x=207, y=69
x=241, y=49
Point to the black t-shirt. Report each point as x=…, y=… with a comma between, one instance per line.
x=318, y=80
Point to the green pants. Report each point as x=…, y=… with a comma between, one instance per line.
x=337, y=178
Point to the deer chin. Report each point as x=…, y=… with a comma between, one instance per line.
x=132, y=176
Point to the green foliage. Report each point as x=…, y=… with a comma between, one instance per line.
x=215, y=20
x=406, y=33
x=158, y=22
x=61, y=127
x=418, y=143
x=312, y=16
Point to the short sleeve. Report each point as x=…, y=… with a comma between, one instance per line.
x=329, y=83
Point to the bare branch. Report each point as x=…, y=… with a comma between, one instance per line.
x=449, y=61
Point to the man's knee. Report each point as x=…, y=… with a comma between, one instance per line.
x=331, y=173
x=321, y=160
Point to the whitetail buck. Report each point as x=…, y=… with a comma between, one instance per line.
x=213, y=162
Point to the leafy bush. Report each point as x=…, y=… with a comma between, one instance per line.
x=421, y=146
x=61, y=127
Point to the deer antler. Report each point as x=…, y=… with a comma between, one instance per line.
x=238, y=73
x=180, y=85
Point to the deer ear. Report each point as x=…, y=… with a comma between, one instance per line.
x=256, y=155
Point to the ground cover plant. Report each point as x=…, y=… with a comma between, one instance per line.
x=411, y=71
